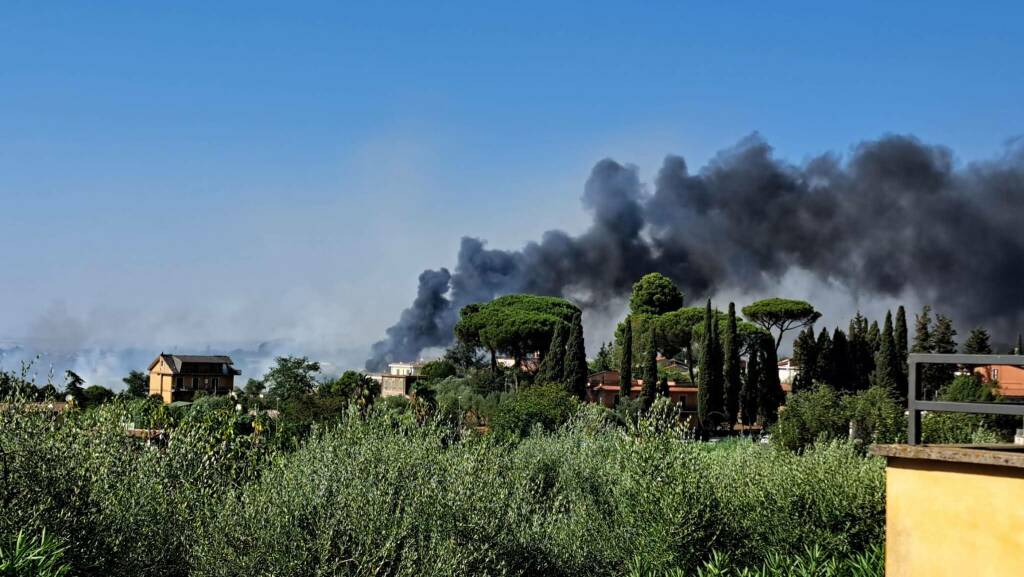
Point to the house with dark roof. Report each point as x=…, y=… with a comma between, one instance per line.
x=179, y=377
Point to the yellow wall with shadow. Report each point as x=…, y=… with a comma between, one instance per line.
x=946, y=518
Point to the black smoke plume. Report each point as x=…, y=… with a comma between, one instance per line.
x=896, y=217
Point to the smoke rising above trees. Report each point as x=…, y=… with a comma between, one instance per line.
x=895, y=216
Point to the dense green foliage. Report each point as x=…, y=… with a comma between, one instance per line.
x=626, y=362
x=650, y=371
x=710, y=399
x=546, y=406
x=654, y=294
x=812, y=562
x=136, y=384
x=876, y=415
x=384, y=494
x=574, y=372
x=731, y=367
x=553, y=366
x=781, y=315
x=514, y=324
x=291, y=377
x=24, y=556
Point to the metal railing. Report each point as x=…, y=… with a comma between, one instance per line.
x=916, y=406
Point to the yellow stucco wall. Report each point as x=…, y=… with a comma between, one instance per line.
x=953, y=519
x=161, y=381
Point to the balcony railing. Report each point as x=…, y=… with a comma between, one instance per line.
x=916, y=406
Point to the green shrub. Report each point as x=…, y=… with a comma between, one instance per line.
x=808, y=416
x=378, y=493
x=876, y=416
x=813, y=562
x=25, y=556
x=546, y=406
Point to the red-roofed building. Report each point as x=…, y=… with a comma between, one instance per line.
x=603, y=388
x=1009, y=377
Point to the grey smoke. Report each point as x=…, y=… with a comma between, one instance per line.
x=896, y=217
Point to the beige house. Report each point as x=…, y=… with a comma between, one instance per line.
x=178, y=377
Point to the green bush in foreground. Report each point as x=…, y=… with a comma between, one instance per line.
x=24, y=556
x=813, y=562
x=546, y=406
x=379, y=494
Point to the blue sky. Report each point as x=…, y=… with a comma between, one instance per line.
x=198, y=173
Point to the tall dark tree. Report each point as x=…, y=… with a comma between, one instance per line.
x=603, y=360
x=977, y=343
x=626, y=362
x=292, y=377
x=943, y=341
x=900, y=339
x=650, y=371
x=136, y=384
x=842, y=366
x=709, y=375
x=1019, y=348
x=771, y=395
x=731, y=367
x=874, y=337
x=862, y=361
x=887, y=366
x=825, y=368
x=751, y=393
x=922, y=332
x=805, y=357
x=73, y=386
x=553, y=365
x=574, y=372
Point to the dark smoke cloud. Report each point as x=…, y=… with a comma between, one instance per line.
x=896, y=217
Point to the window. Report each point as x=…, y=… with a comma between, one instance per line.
x=179, y=382
x=195, y=382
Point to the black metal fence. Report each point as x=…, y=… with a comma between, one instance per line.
x=916, y=406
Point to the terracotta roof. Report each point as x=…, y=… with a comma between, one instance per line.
x=638, y=384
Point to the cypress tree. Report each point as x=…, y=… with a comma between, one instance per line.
x=770, y=393
x=825, y=368
x=938, y=376
x=842, y=367
x=886, y=362
x=805, y=356
x=574, y=372
x=626, y=362
x=650, y=373
x=874, y=337
x=731, y=368
x=1019, y=349
x=862, y=361
x=709, y=375
x=900, y=338
x=922, y=332
x=553, y=364
x=751, y=392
